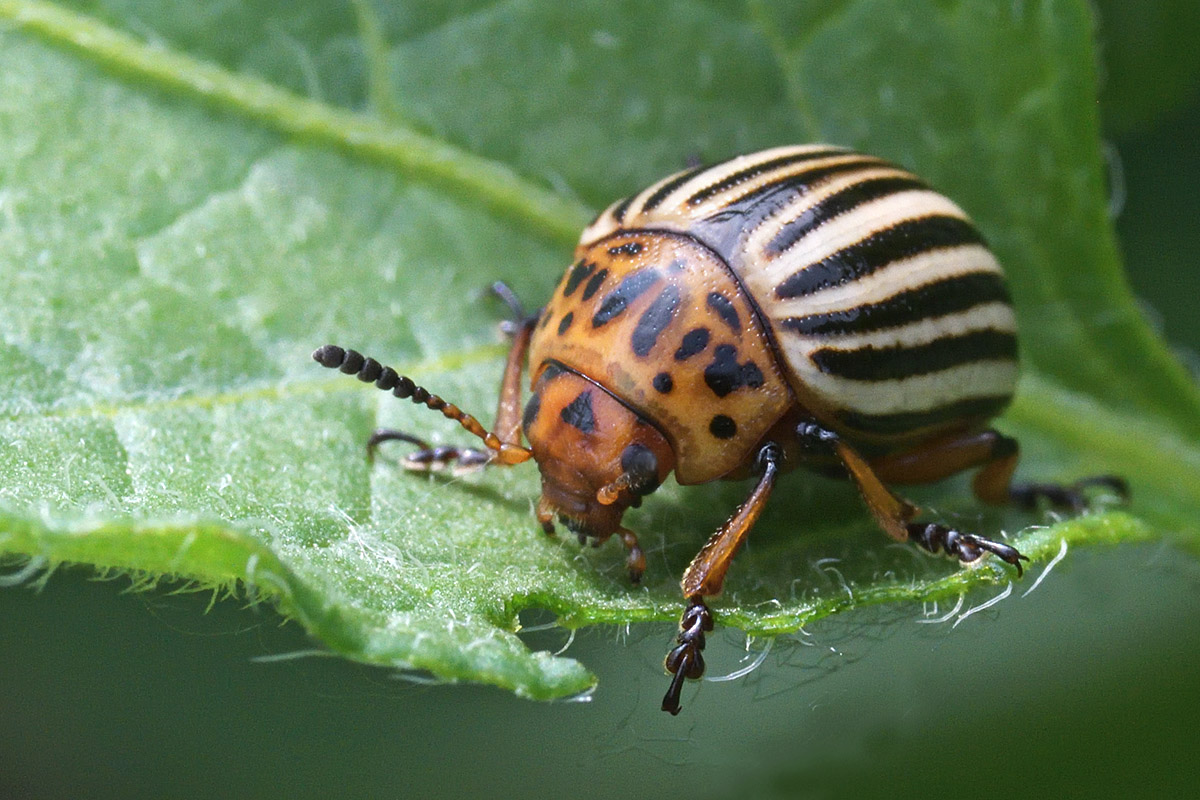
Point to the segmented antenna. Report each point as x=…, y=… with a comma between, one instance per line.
x=368, y=370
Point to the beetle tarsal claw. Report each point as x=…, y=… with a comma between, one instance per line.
x=685, y=659
x=966, y=547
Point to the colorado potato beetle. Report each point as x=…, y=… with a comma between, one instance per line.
x=801, y=306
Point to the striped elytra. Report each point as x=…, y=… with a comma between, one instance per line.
x=808, y=276
x=799, y=307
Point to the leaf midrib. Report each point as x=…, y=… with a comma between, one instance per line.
x=488, y=182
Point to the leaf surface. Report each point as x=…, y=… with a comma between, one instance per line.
x=190, y=201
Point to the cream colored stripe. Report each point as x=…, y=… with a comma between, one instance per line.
x=918, y=393
x=996, y=316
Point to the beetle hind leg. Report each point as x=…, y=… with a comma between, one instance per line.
x=1072, y=496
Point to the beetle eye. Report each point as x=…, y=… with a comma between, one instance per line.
x=641, y=464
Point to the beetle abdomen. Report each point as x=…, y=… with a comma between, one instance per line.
x=887, y=309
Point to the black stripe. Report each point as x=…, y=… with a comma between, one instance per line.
x=906, y=421
x=761, y=168
x=628, y=290
x=903, y=240
x=654, y=320
x=620, y=208
x=889, y=363
x=936, y=299
x=839, y=203
x=725, y=310
x=795, y=184
x=654, y=200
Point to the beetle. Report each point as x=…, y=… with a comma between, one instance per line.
x=804, y=306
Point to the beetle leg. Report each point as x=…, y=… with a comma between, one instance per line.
x=705, y=576
x=545, y=516
x=1072, y=496
x=428, y=458
x=635, y=559
x=503, y=449
x=997, y=454
x=967, y=547
x=503, y=443
x=895, y=515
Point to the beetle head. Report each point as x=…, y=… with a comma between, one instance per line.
x=597, y=456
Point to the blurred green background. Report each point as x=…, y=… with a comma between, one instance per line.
x=109, y=693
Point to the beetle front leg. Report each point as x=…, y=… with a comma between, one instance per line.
x=635, y=559
x=507, y=428
x=705, y=576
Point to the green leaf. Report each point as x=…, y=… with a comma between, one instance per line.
x=1151, y=64
x=185, y=214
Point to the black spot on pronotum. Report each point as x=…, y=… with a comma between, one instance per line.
x=654, y=320
x=722, y=427
x=725, y=374
x=567, y=319
x=531, y=411
x=628, y=290
x=627, y=249
x=593, y=285
x=662, y=383
x=578, y=413
x=725, y=310
x=694, y=341
x=578, y=273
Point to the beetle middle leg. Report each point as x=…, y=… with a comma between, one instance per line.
x=705, y=576
x=895, y=514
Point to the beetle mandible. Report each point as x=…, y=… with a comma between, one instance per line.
x=801, y=306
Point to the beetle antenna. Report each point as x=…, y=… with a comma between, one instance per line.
x=368, y=370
